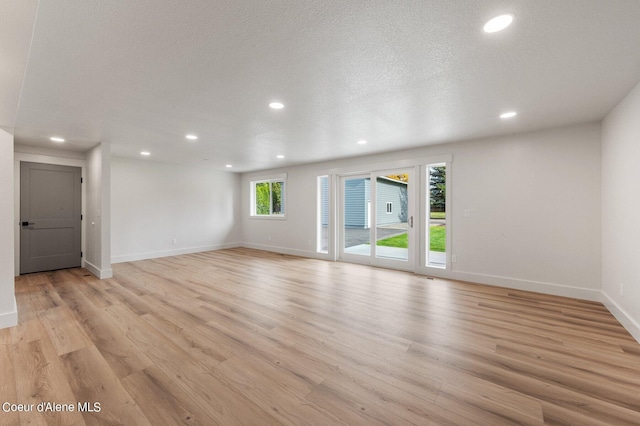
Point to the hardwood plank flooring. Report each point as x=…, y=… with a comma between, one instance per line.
x=248, y=337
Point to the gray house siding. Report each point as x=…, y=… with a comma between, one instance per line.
x=357, y=194
x=394, y=192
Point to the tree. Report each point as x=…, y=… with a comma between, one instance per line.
x=263, y=198
x=438, y=187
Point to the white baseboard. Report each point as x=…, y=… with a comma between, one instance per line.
x=285, y=250
x=101, y=274
x=9, y=319
x=535, y=286
x=621, y=315
x=518, y=284
x=167, y=253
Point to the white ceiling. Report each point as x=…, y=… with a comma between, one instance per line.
x=141, y=74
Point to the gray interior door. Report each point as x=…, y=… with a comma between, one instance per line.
x=50, y=209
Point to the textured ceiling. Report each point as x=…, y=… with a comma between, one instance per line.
x=141, y=74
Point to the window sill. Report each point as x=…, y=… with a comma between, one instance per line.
x=269, y=217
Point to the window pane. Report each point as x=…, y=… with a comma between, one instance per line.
x=437, y=220
x=392, y=227
x=263, y=198
x=356, y=216
x=277, y=194
x=323, y=214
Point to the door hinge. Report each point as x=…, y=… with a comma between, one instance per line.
x=81, y=180
x=80, y=254
x=80, y=217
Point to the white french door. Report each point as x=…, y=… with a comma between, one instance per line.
x=376, y=218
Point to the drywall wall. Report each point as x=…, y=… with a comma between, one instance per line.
x=98, y=204
x=620, y=207
x=534, y=201
x=154, y=204
x=8, y=311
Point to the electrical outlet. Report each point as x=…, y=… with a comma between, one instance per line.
x=454, y=258
x=467, y=213
x=174, y=241
x=269, y=238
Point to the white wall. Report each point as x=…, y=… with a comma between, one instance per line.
x=8, y=311
x=98, y=238
x=155, y=203
x=534, y=200
x=620, y=211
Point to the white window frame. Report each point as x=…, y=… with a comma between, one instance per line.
x=269, y=179
x=319, y=225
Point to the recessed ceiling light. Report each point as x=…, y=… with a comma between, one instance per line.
x=280, y=156
x=509, y=114
x=228, y=166
x=498, y=23
x=56, y=139
x=146, y=153
x=362, y=142
x=276, y=105
x=192, y=137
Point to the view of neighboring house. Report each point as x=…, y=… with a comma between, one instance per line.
x=391, y=204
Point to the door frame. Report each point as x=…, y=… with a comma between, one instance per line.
x=45, y=159
x=420, y=165
x=372, y=219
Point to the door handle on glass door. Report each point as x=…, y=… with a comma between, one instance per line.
x=411, y=221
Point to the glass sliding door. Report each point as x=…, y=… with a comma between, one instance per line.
x=378, y=207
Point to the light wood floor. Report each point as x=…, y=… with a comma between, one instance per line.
x=247, y=337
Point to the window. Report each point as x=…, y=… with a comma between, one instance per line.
x=437, y=215
x=268, y=197
x=389, y=207
x=323, y=215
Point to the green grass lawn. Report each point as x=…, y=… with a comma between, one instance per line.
x=438, y=215
x=437, y=234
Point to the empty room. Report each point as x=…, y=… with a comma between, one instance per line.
x=319, y=212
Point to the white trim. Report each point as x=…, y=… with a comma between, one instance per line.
x=9, y=319
x=258, y=177
x=268, y=217
x=390, y=165
x=621, y=315
x=517, y=284
x=284, y=250
x=101, y=274
x=167, y=253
